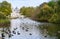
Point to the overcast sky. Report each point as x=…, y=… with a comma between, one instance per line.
x=20, y=3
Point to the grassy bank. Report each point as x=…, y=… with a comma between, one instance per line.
x=51, y=29
x=4, y=23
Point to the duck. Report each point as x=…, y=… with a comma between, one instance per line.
x=23, y=28
x=26, y=30
x=30, y=34
x=45, y=36
x=14, y=32
x=2, y=38
x=9, y=35
x=9, y=31
x=15, y=28
x=3, y=35
x=18, y=33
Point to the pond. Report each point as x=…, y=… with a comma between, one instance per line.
x=23, y=29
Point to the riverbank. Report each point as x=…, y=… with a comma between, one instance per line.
x=4, y=23
x=45, y=12
x=50, y=29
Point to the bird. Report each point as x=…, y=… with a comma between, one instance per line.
x=3, y=35
x=18, y=33
x=15, y=28
x=14, y=32
x=9, y=35
x=45, y=36
x=26, y=30
x=30, y=34
x=6, y=32
x=23, y=28
x=9, y=31
x=2, y=38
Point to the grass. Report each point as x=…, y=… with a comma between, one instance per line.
x=4, y=23
x=52, y=29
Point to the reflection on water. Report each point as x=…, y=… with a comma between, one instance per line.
x=23, y=29
x=50, y=29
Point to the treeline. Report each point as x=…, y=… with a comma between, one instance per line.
x=5, y=9
x=46, y=12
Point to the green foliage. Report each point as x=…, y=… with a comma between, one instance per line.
x=27, y=11
x=51, y=3
x=52, y=29
x=2, y=16
x=5, y=8
x=4, y=23
x=55, y=18
x=58, y=2
x=46, y=12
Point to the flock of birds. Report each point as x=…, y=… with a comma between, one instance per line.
x=8, y=31
x=10, y=35
x=14, y=32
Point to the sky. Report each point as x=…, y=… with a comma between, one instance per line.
x=27, y=3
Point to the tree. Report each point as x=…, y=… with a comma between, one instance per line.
x=45, y=12
x=2, y=16
x=5, y=8
x=27, y=11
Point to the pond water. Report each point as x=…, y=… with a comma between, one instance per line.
x=23, y=29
